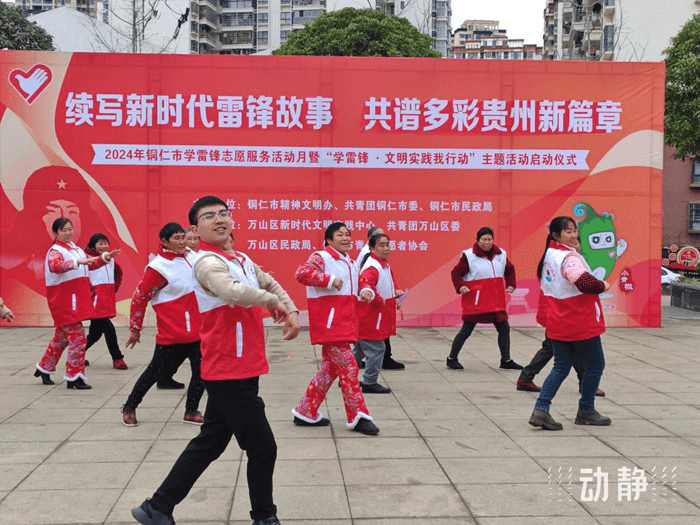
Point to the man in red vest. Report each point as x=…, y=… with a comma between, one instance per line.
x=231, y=290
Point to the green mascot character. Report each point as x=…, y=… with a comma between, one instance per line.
x=599, y=244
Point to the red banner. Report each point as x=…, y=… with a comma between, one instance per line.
x=430, y=150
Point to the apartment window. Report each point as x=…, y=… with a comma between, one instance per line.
x=262, y=18
x=695, y=172
x=262, y=2
x=441, y=8
x=694, y=217
x=286, y=18
x=403, y=4
x=262, y=37
x=283, y=35
x=488, y=54
x=194, y=46
x=194, y=27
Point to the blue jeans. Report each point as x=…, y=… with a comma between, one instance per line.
x=590, y=352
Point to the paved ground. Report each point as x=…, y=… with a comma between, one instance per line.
x=455, y=447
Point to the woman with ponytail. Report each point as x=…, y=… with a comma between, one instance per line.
x=571, y=313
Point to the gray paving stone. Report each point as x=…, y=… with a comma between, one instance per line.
x=454, y=448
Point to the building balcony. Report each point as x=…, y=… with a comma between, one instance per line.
x=609, y=7
x=308, y=4
x=208, y=38
x=209, y=21
x=213, y=5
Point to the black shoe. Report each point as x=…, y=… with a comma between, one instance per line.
x=147, y=515
x=79, y=384
x=361, y=364
x=365, y=426
x=510, y=365
x=323, y=422
x=453, y=364
x=592, y=417
x=540, y=418
x=272, y=520
x=375, y=388
x=170, y=385
x=45, y=378
x=390, y=364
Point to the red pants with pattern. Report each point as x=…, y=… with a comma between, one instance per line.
x=73, y=337
x=338, y=361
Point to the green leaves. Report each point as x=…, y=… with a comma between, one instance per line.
x=16, y=32
x=359, y=32
x=682, y=123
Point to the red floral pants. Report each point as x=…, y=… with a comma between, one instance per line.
x=338, y=361
x=73, y=337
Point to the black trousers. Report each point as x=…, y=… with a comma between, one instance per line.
x=467, y=329
x=233, y=409
x=104, y=326
x=540, y=360
x=387, y=349
x=165, y=362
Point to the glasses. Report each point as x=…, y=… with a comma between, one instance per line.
x=211, y=215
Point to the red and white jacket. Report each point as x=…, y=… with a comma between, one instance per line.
x=377, y=319
x=231, y=331
x=168, y=283
x=105, y=283
x=567, y=313
x=485, y=280
x=332, y=313
x=68, y=284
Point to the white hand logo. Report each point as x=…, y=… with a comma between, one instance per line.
x=31, y=84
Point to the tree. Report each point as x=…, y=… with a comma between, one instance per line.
x=682, y=125
x=16, y=32
x=358, y=32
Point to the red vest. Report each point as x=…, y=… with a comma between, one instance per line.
x=376, y=321
x=233, y=338
x=68, y=293
x=332, y=313
x=175, y=305
x=104, y=299
x=487, y=287
x=566, y=313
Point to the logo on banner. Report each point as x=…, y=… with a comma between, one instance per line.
x=31, y=83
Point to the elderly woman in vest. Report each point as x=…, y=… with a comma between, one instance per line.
x=570, y=311
x=376, y=311
x=482, y=276
x=105, y=284
x=331, y=281
x=168, y=284
x=70, y=302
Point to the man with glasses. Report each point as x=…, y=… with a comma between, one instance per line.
x=230, y=290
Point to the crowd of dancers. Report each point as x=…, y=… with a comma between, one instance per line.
x=208, y=300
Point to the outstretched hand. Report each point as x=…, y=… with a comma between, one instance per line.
x=134, y=337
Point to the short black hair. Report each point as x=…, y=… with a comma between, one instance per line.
x=372, y=231
x=169, y=230
x=484, y=231
x=201, y=203
x=60, y=223
x=331, y=230
x=95, y=239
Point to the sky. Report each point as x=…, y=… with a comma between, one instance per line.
x=522, y=18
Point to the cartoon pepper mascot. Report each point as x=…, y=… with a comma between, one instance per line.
x=599, y=245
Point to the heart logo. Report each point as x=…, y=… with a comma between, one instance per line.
x=31, y=83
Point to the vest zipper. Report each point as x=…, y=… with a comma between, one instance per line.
x=239, y=339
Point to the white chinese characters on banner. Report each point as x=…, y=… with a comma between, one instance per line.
x=148, y=110
x=473, y=115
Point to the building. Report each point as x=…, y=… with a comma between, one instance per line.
x=32, y=7
x=431, y=17
x=483, y=39
x=580, y=30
